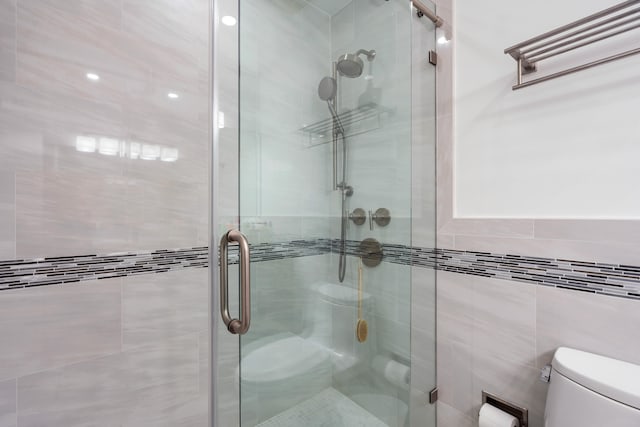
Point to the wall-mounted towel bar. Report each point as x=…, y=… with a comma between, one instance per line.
x=616, y=20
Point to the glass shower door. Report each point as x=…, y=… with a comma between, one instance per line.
x=325, y=202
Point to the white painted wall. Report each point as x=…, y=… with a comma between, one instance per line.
x=567, y=148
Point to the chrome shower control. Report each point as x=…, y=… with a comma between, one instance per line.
x=382, y=217
x=370, y=251
x=358, y=216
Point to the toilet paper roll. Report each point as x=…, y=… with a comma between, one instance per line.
x=396, y=373
x=490, y=416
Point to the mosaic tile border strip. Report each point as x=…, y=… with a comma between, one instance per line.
x=593, y=277
x=26, y=273
x=598, y=278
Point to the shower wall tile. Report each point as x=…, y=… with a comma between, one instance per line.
x=274, y=110
x=53, y=326
x=181, y=27
x=70, y=214
x=161, y=306
x=7, y=215
x=8, y=404
x=77, y=202
x=65, y=343
x=97, y=11
x=7, y=39
x=149, y=385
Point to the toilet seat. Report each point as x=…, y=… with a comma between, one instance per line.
x=284, y=358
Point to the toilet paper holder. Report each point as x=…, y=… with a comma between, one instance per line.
x=522, y=414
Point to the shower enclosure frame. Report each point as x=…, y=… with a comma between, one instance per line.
x=216, y=232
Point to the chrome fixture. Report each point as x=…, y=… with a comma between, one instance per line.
x=348, y=65
x=382, y=217
x=358, y=216
x=433, y=395
x=425, y=11
x=583, y=32
x=327, y=90
x=370, y=252
x=235, y=326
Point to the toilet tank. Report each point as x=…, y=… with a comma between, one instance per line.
x=589, y=390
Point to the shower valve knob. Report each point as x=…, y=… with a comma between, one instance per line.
x=382, y=217
x=358, y=216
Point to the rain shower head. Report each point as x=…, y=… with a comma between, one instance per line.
x=350, y=64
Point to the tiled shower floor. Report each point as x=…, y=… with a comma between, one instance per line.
x=329, y=408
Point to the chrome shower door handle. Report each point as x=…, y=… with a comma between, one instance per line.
x=235, y=326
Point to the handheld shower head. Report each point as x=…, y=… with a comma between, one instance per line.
x=350, y=65
x=327, y=88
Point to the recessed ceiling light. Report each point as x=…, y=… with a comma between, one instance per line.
x=93, y=77
x=229, y=20
x=443, y=40
x=172, y=95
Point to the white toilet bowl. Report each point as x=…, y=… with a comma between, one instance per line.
x=282, y=370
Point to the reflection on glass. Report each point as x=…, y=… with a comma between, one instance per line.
x=135, y=148
x=108, y=146
x=169, y=154
x=86, y=144
x=150, y=152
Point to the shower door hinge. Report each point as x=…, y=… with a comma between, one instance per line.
x=433, y=57
x=433, y=396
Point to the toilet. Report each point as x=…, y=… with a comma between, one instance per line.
x=286, y=369
x=588, y=390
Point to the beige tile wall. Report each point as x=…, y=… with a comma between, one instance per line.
x=8, y=396
x=131, y=351
x=71, y=202
x=497, y=334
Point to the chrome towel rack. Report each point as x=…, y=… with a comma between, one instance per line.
x=616, y=20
